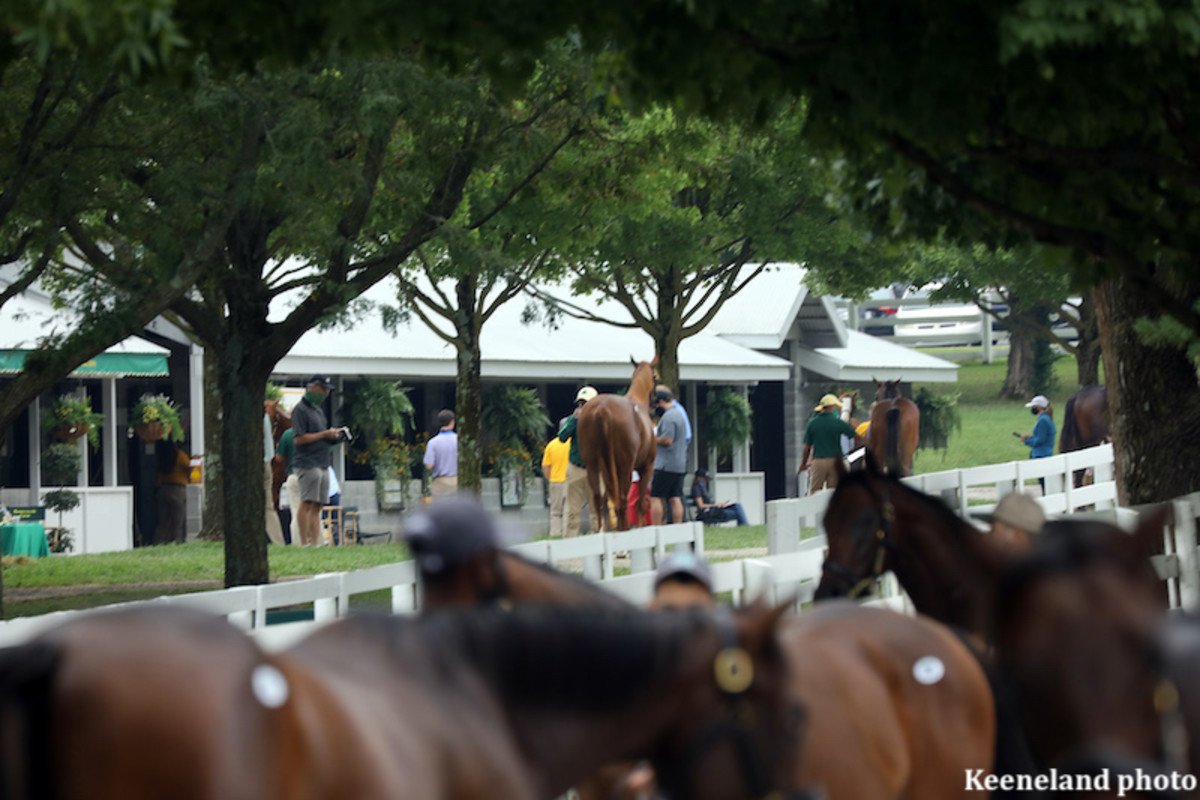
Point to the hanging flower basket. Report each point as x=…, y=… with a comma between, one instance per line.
x=151, y=431
x=69, y=433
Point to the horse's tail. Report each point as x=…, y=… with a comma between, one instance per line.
x=891, y=448
x=1070, y=440
x=26, y=677
x=608, y=476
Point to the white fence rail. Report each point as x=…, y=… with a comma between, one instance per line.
x=789, y=573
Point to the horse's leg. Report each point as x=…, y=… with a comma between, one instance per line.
x=599, y=512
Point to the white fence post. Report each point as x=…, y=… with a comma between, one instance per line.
x=783, y=526
x=1185, y=551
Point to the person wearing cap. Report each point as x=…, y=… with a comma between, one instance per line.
x=444, y=538
x=1041, y=441
x=707, y=510
x=441, y=456
x=554, y=468
x=683, y=580
x=823, y=444
x=1017, y=517
x=577, y=485
x=313, y=445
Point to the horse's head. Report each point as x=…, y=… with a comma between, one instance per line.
x=1077, y=627
x=645, y=376
x=858, y=522
x=887, y=390
x=738, y=733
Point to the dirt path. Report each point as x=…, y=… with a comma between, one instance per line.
x=43, y=592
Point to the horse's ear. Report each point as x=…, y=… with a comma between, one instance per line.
x=1147, y=538
x=654, y=361
x=633, y=361
x=759, y=621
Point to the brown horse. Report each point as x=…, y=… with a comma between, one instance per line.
x=280, y=422
x=616, y=437
x=874, y=730
x=1107, y=681
x=895, y=429
x=164, y=702
x=1085, y=423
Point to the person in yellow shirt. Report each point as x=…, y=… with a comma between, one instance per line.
x=554, y=467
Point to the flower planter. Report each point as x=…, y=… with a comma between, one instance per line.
x=151, y=431
x=69, y=433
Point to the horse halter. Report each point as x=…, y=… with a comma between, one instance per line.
x=883, y=546
x=733, y=671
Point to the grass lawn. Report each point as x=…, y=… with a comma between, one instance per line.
x=986, y=438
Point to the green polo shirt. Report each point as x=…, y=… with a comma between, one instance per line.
x=824, y=433
x=568, y=433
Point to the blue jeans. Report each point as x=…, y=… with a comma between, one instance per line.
x=731, y=512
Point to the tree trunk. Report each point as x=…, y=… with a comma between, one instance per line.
x=1018, y=379
x=1087, y=353
x=1153, y=401
x=212, y=523
x=666, y=347
x=468, y=389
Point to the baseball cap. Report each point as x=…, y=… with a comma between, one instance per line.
x=684, y=563
x=1019, y=510
x=702, y=473
x=827, y=401
x=321, y=380
x=450, y=532
x=1039, y=401
x=585, y=394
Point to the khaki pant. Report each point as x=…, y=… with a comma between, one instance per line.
x=558, y=507
x=274, y=529
x=446, y=484
x=577, y=495
x=824, y=474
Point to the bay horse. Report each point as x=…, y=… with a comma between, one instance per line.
x=1085, y=423
x=873, y=730
x=281, y=421
x=616, y=436
x=168, y=702
x=1107, y=680
x=895, y=429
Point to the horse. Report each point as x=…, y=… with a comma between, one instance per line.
x=281, y=420
x=895, y=429
x=616, y=436
x=1085, y=423
x=168, y=702
x=912, y=738
x=1107, y=680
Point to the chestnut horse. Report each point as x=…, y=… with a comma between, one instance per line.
x=895, y=429
x=875, y=728
x=1107, y=680
x=166, y=702
x=616, y=436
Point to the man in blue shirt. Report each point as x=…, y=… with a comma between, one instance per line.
x=671, y=462
x=441, y=456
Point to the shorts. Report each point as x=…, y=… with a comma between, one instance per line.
x=314, y=485
x=666, y=484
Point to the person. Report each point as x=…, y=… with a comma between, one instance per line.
x=577, y=485
x=670, y=464
x=335, y=499
x=707, y=510
x=823, y=444
x=682, y=580
x=635, y=488
x=1016, y=519
x=441, y=456
x=687, y=421
x=312, y=456
x=290, y=498
x=554, y=467
x=1041, y=441
x=174, y=469
x=274, y=529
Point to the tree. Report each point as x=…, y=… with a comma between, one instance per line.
x=677, y=215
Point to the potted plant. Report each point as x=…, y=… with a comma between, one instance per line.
x=516, y=419
x=381, y=416
x=155, y=417
x=60, y=465
x=727, y=422
x=71, y=417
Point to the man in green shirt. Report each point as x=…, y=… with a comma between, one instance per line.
x=823, y=444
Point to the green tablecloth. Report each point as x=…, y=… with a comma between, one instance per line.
x=24, y=539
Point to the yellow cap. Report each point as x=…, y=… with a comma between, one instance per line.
x=827, y=401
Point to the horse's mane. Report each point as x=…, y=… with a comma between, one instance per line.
x=601, y=597
x=942, y=513
x=585, y=659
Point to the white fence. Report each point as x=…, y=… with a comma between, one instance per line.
x=791, y=570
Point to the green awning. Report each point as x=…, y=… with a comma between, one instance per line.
x=105, y=365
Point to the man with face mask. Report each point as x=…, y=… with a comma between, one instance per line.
x=313, y=455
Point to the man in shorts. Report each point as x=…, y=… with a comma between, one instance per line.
x=312, y=458
x=670, y=464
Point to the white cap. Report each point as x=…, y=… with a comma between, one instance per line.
x=585, y=394
x=1039, y=401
